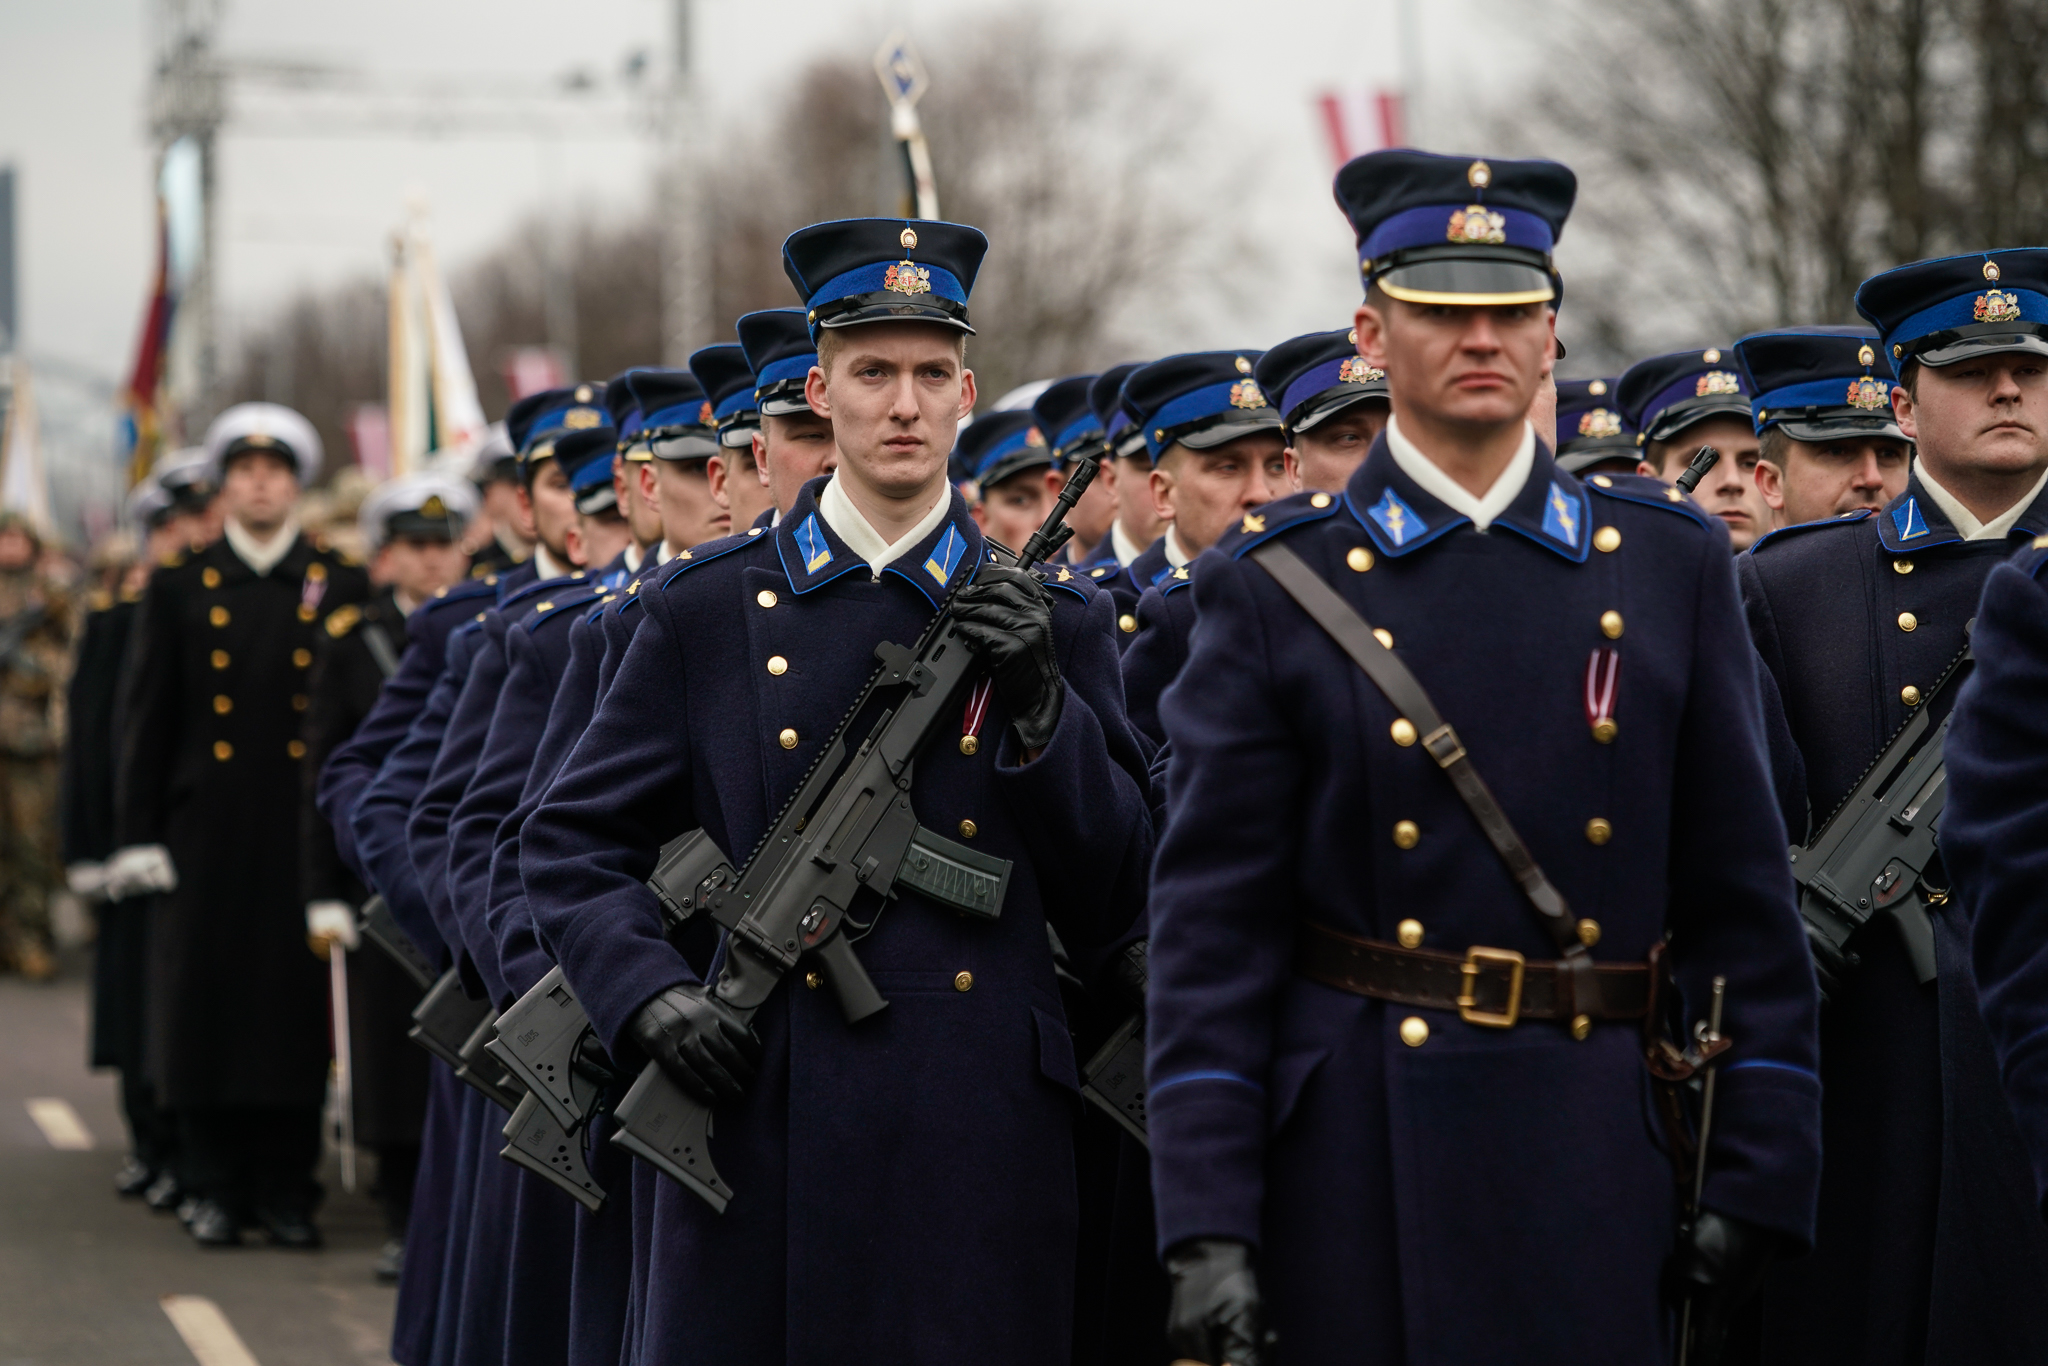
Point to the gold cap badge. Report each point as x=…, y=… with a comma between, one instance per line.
x=1997, y=306
x=1245, y=394
x=1477, y=224
x=1598, y=386
x=907, y=277
x=1479, y=175
x=583, y=393
x=908, y=237
x=1991, y=270
x=1244, y=367
x=1866, y=356
x=1600, y=422
x=1717, y=382
x=1356, y=371
x=579, y=419
x=1869, y=392
x=434, y=507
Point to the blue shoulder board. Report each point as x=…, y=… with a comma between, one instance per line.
x=1846, y=519
x=1297, y=509
x=583, y=595
x=1655, y=493
x=709, y=551
x=1180, y=576
x=457, y=594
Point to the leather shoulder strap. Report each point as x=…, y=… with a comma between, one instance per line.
x=381, y=649
x=1405, y=691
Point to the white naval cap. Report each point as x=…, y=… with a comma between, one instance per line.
x=264, y=426
x=147, y=503
x=184, y=470
x=417, y=504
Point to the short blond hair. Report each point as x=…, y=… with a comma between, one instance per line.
x=832, y=341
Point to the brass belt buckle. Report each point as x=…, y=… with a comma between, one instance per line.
x=1468, y=997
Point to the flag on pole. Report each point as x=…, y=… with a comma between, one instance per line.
x=24, y=489
x=1358, y=120
x=141, y=421
x=431, y=400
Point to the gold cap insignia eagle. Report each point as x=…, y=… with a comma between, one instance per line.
x=1478, y=225
x=1600, y=422
x=907, y=277
x=1997, y=306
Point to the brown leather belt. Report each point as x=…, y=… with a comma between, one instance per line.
x=1495, y=987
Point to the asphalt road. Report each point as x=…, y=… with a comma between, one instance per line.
x=84, y=1274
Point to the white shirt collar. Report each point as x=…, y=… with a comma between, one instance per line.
x=1453, y=495
x=261, y=556
x=862, y=539
x=547, y=565
x=1175, y=556
x=1122, y=546
x=635, y=557
x=1965, y=521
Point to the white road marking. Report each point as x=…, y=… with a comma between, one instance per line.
x=60, y=1123
x=207, y=1332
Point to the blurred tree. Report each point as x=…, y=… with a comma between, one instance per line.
x=1746, y=163
x=1085, y=165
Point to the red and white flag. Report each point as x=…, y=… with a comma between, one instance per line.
x=1358, y=121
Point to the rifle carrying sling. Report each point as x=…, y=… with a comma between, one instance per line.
x=1578, y=984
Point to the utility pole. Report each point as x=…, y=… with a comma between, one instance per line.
x=686, y=245
x=188, y=101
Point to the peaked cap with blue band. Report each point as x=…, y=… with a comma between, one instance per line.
x=1662, y=396
x=624, y=407
x=534, y=421
x=1312, y=377
x=1105, y=398
x=1590, y=425
x=586, y=457
x=1456, y=229
x=1939, y=312
x=675, y=416
x=870, y=270
x=997, y=445
x=728, y=383
x=780, y=349
x=1819, y=383
x=1063, y=414
x=1199, y=400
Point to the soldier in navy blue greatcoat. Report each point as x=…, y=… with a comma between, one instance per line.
x=1928, y=1248
x=1332, y=404
x=1071, y=430
x=1128, y=466
x=1994, y=834
x=1592, y=435
x=904, y=1186
x=1219, y=452
x=1341, y=1147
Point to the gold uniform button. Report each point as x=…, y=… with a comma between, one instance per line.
x=217, y=615
x=2041, y=543
x=1607, y=540
x=300, y=701
x=814, y=980
x=970, y=745
x=1415, y=1031
x=1599, y=831
x=301, y=657
x=1409, y=934
x=1589, y=932
x=1902, y=566
x=297, y=749
x=1359, y=558
x=963, y=981
x=1910, y=695
x=1407, y=834
x=1320, y=500
x=1127, y=623
x=766, y=597
x=210, y=577
x=1603, y=481
x=1604, y=730
x=222, y=704
x=777, y=665
x=1582, y=1027
x=223, y=751
x=968, y=830
x=1610, y=625
x=316, y=572
x=220, y=659
x=306, y=612
x=788, y=738
x=1908, y=622
x=1384, y=637
x=1403, y=731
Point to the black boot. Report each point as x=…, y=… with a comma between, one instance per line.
x=213, y=1224
x=287, y=1227
x=165, y=1193
x=134, y=1178
x=390, y=1261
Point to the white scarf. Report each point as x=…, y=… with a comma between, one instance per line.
x=1453, y=495
x=261, y=556
x=861, y=537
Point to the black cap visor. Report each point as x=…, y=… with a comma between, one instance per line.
x=738, y=430
x=1131, y=446
x=1822, y=425
x=1686, y=412
x=683, y=443
x=783, y=398
x=412, y=523
x=1031, y=457
x=1604, y=459
x=1953, y=344
x=890, y=307
x=1467, y=277
x=1207, y=433
x=603, y=498
x=1334, y=400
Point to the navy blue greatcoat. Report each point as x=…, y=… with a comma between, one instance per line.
x=1486, y=1194
x=1994, y=834
x=1928, y=1248
x=905, y=1188
x=1123, y=588
x=1159, y=651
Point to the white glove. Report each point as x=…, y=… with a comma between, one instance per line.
x=334, y=921
x=87, y=880
x=140, y=868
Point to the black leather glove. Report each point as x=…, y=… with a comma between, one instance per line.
x=696, y=1039
x=1217, y=1316
x=1718, y=1264
x=1831, y=965
x=1005, y=616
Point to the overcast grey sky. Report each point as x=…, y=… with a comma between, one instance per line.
x=298, y=210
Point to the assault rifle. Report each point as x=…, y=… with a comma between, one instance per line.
x=848, y=830
x=1868, y=858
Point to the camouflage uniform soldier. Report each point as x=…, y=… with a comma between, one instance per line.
x=35, y=661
